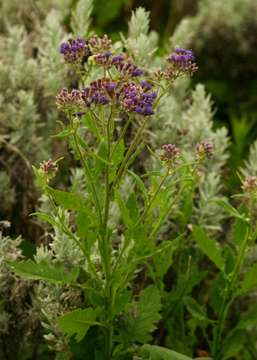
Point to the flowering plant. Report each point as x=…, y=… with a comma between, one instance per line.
x=116, y=226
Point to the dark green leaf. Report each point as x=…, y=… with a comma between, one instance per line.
x=196, y=310
x=161, y=353
x=142, y=316
x=53, y=273
x=67, y=200
x=78, y=322
x=208, y=247
x=250, y=280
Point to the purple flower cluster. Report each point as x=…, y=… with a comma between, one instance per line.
x=74, y=50
x=126, y=68
x=137, y=98
x=100, y=92
x=170, y=152
x=134, y=98
x=181, y=61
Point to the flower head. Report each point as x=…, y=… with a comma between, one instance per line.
x=99, y=44
x=181, y=61
x=74, y=50
x=170, y=152
x=249, y=185
x=67, y=100
x=204, y=149
x=135, y=98
x=49, y=169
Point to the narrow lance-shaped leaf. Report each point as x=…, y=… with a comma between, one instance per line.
x=230, y=209
x=208, y=247
x=250, y=280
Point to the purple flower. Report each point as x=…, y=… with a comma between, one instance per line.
x=134, y=98
x=181, y=61
x=74, y=50
x=126, y=68
x=99, y=92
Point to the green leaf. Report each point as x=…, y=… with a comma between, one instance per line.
x=230, y=209
x=239, y=231
x=132, y=207
x=124, y=211
x=163, y=258
x=208, y=247
x=140, y=184
x=63, y=134
x=78, y=322
x=142, y=316
x=196, y=310
x=118, y=153
x=53, y=273
x=250, y=280
x=161, y=353
x=234, y=343
x=67, y=200
x=46, y=218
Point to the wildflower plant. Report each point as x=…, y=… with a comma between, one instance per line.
x=112, y=254
x=123, y=225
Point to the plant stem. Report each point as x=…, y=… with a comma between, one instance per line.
x=145, y=212
x=122, y=135
x=131, y=148
x=90, y=178
x=228, y=298
x=107, y=247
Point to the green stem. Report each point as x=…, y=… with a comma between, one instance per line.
x=228, y=298
x=107, y=247
x=122, y=135
x=89, y=176
x=131, y=148
x=143, y=216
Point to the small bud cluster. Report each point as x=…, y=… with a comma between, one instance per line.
x=99, y=44
x=204, y=149
x=249, y=185
x=74, y=50
x=66, y=100
x=170, y=152
x=49, y=169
